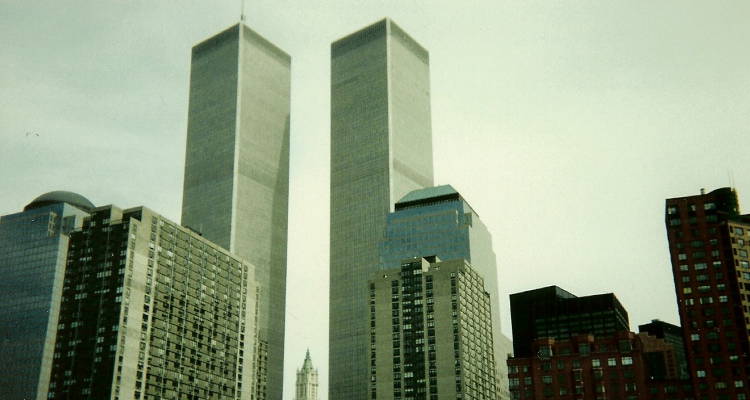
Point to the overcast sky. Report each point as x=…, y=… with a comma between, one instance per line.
x=564, y=124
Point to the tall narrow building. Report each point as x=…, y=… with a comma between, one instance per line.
x=709, y=244
x=307, y=381
x=236, y=185
x=439, y=221
x=430, y=332
x=381, y=148
x=33, y=247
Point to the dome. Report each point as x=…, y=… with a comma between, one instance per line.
x=60, y=196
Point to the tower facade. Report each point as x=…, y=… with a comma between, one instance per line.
x=439, y=221
x=33, y=247
x=709, y=245
x=151, y=310
x=236, y=186
x=381, y=148
x=307, y=381
x=431, y=332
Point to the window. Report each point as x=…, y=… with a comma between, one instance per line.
x=547, y=379
x=612, y=362
x=627, y=361
x=683, y=267
x=700, y=266
x=595, y=362
x=682, y=256
x=672, y=210
x=695, y=337
x=709, y=206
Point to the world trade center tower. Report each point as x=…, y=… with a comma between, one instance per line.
x=381, y=149
x=236, y=187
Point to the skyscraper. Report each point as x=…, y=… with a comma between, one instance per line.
x=709, y=244
x=307, y=380
x=33, y=247
x=439, y=221
x=381, y=148
x=431, y=332
x=236, y=185
x=151, y=310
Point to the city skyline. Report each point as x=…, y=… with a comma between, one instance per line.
x=568, y=129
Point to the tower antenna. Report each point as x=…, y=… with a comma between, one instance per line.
x=242, y=10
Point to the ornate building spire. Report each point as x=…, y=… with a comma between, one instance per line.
x=307, y=380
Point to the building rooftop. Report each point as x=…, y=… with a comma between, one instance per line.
x=428, y=193
x=60, y=196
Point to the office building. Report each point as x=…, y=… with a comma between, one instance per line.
x=709, y=245
x=672, y=335
x=551, y=312
x=439, y=221
x=236, y=186
x=381, y=149
x=430, y=332
x=570, y=347
x=307, y=380
x=151, y=310
x=33, y=247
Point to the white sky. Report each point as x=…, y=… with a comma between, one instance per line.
x=564, y=124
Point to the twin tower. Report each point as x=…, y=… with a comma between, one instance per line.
x=237, y=172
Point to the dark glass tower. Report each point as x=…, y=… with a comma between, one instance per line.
x=33, y=247
x=236, y=189
x=709, y=245
x=551, y=312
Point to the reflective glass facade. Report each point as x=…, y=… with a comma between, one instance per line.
x=33, y=247
x=236, y=186
x=437, y=221
x=381, y=148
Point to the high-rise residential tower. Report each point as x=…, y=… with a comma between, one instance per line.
x=381, y=149
x=236, y=185
x=307, y=381
x=430, y=332
x=439, y=221
x=709, y=244
x=150, y=310
x=33, y=247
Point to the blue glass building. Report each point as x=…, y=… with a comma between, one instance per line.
x=438, y=221
x=33, y=249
